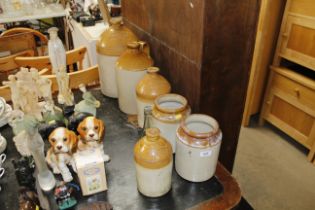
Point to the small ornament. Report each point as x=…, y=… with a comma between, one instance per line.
x=91, y=133
x=88, y=104
x=63, y=144
x=28, y=200
x=64, y=195
x=57, y=56
x=24, y=169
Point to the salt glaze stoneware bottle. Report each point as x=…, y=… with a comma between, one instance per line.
x=168, y=111
x=197, y=147
x=154, y=162
x=113, y=42
x=130, y=68
x=148, y=89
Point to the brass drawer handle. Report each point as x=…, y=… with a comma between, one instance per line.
x=297, y=92
x=268, y=102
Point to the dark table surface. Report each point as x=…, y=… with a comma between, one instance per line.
x=122, y=193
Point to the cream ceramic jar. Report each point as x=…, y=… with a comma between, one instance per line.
x=148, y=89
x=168, y=111
x=197, y=147
x=113, y=42
x=130, y=68
x=154, y=164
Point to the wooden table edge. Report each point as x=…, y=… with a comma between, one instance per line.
x=230, y=197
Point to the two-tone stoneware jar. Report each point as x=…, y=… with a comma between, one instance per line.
x=154, y=163
x=197, y=147
x=148, y=89
x=113, y=42
x=168, y=111
x=130, y=68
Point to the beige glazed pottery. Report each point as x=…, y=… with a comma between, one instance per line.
x=154, y=162
x=130, y=68
x=168, y=110
x=197, y=147
x=148, y=89
x=113, y=42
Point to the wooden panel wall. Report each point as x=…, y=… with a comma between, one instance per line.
x=205, y=49
x=227, y=54
x=174, y=30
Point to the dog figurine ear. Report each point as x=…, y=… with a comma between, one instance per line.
x=73, y=141
x=101, y=131
x=80, y=129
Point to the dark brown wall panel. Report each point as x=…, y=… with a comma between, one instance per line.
x=176, y=23
x=183, y=74
x=229, y=35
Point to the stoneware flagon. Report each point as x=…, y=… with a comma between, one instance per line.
x=198, y=144
x=154, y=162
x=148, y=89
x=130, y=68
x=168, y=111
x=113, y=42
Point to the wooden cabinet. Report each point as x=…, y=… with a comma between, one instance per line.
x=298, y=42
x=289, y=101
x=290, y=105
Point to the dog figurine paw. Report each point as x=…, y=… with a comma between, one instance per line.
x=63, y=144
x=91, y=133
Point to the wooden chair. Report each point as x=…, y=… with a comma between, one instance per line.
x=18, y=43
x=75, y=56
x=43, y=39
x=87, y=76
x=8, y=65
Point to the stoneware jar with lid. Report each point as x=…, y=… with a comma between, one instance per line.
x=154, y=163
x=148, y=89
x=168, y=111
x=130, y=68
x=112, y=43
x=197, y=147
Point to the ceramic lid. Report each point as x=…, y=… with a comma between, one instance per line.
x=135, y=58
x=170, y=108
x=152, y=151
x=114, y=40
x=199, y=130
x=152, y=85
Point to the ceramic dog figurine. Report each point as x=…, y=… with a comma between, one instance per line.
x=63, y=144
x=91, y=132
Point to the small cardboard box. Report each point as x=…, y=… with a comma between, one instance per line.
x=91, y=171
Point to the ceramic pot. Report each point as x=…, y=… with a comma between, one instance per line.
x=168, y=111
x=154, y=163
x=148, y=89
x=130, y=68
x=197, y=147
x=113, y=42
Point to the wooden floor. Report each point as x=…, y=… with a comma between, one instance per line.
x=273, y=170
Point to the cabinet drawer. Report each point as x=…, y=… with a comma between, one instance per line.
x=292, y=120
x=294, y=87
x=298, y=40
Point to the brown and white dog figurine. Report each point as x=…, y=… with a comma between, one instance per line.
x=63, y=144
x=92, y=132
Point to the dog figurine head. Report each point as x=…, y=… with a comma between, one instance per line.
x=63, y=140
x=91, y=129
